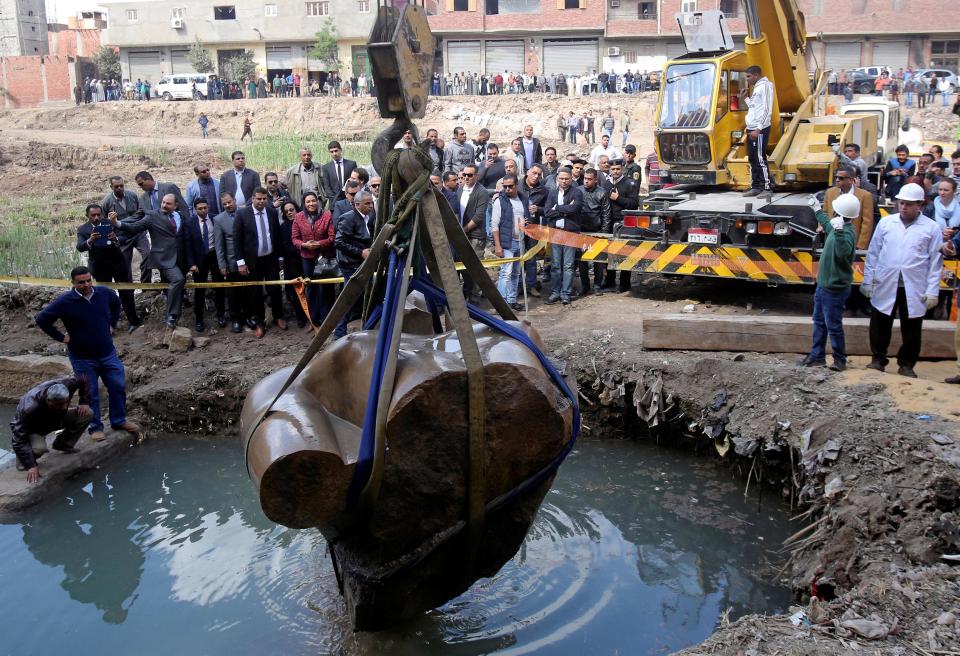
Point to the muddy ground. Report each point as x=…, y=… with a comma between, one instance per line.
x=869, y=461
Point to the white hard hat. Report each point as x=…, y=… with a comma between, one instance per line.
x=912, y=191
x=847, y=206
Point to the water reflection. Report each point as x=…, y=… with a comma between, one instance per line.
x=623, y=556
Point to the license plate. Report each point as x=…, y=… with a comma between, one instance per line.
x=702, y=236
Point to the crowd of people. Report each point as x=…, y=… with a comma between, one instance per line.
x=904, y=85
x=467, y=83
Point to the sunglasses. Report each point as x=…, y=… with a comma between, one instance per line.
x=509, y=186
x=467, y=175
x=843, y=177
x=375, y=186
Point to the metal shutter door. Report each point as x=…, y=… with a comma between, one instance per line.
x=675, y=50
x=842, y=55
x=504, y=56
x=180, y=62
x=279, y=57
x=895, y=54
x=576, y=57
x=463, y=57
x=145, y=65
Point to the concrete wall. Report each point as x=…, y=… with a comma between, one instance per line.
x=23, y=28
x=33, y=81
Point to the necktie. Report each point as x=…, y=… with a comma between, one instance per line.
x=173, y=222
x=206, y=234
x=153, y=199
x=264, y=235
x=339, y=175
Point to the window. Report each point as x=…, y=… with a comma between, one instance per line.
x=688, y=6
x=461, y=5
x=647, y=10
x=738, y=81
x=318, y=8
x=363, y=6
x=178, y=12
x=269, y=10
x=722, y=97
x=730, y=8
x=226, y=12
x=571, y=4
x=132, y=16
x=688, y=88
x=945, y=53
x=30, y=13
x=629, y=56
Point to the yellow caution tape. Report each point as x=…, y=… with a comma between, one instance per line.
x=55, y=282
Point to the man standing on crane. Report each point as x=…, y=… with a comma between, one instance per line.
x=759, y=116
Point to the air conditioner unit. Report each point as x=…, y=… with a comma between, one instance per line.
x=614, y=4
x=176, y=23
x=613, y=52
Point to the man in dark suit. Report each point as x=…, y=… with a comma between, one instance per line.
x=259, y=242
x=474, y=199
x=165, y=227
x=153, y=193
x=100, y=241
x=562, y=211
x=450, y=190
x=239, y=181
x=345, y=204
x=121, y=204
x=335, y=173
x=201, y=260
x=353, y=240
x=624, y=195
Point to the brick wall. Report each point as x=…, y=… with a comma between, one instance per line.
x=74, y=43
x=32, y=81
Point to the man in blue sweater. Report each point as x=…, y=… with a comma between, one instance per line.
x=90, y=315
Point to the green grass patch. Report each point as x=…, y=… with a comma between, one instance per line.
x=281, y=151
x=37, y=240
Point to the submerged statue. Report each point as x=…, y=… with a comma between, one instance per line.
x=410, y=553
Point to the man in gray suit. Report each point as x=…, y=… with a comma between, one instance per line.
x=153, y=193
x=122, y=203
x=240, y=181
x=165, y=227
x=227, y=258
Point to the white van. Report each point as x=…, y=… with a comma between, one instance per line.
x=180, y=87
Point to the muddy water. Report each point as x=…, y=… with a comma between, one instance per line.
x=635, y=551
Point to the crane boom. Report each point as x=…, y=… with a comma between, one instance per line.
x=777, y=37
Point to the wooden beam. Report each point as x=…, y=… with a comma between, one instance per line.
x=777, y=334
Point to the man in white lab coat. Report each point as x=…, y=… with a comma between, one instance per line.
x=902, y=276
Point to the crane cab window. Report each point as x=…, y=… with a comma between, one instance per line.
x=738, y=81
x=687, y=95
x=722, y=96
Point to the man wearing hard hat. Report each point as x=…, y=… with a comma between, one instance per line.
x=902, y=276
x=834, y=277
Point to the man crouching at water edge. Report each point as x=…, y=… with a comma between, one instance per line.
x=90, y=316
x=45, y=409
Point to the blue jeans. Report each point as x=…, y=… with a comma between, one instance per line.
x=561, y=271
x=828, y=319
x=509, y=278
x=945, y=95
x=109, y=369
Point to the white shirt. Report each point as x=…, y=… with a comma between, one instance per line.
x=262, y=223
x=464, y=197
x=209, y=222
x=238, y=196
x=560, y=222
x=908, y=251
x=610, y=152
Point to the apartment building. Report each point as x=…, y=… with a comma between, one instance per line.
x=154, y=37
x=580, y=36
x=23, y=28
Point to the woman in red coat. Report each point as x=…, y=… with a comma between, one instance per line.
x=313, y=235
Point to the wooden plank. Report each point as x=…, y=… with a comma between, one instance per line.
x=777, y=334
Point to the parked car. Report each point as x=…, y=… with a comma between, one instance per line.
x=180, y=87
x=928, y=73
x=863, y=82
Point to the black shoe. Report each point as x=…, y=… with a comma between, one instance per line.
x=251, y=324
x=877, y=365
x=236, y=327
x=171, y=322
x=598, y=290
x=752, y=192
x=553, y=299
x=838, y=366
x=906, y=371
x=953, y=380
x=516, y=306
x=222, y=321
x=565, y=301
x=200, y=327
x=807, y=362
